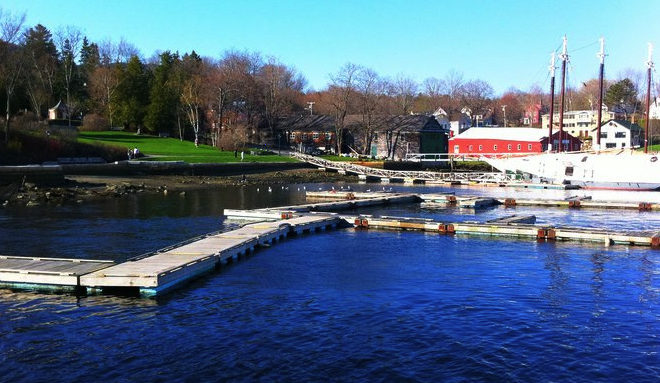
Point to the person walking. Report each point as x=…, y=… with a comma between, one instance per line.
x=242, y=156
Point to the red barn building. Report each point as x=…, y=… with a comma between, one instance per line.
x=509, y=141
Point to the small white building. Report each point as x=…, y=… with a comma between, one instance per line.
x=577, y=123
x=618, y=134
x=654, y=109
x=442, y=118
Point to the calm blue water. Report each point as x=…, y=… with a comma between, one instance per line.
x=350, y=306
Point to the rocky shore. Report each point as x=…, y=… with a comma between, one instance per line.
x=77, y=189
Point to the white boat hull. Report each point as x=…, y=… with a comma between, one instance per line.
x=616, y=171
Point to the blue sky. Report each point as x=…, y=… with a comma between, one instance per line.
x=506, y=43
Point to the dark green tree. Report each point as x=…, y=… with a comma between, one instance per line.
x=41, y=67
x=164, y=96
x=622, y=93
x=89, y=61
x=132, y=94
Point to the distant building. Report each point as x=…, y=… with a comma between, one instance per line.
x=577, y=123
x=442, y=117
x=654, y=109
x=532, y=115
x=59, y=112
x=509, y=141
x=618, y=134
x=393, y=137
x=307, y=133
x=398, y=136
x=460, y=122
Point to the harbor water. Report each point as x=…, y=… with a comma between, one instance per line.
x=344, y=305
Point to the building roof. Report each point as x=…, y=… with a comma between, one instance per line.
x=512, y=134
x=405, y=122
x=626, y=124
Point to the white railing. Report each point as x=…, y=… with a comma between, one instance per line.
x=403, y=174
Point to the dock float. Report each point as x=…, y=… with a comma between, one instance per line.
x=162, y=270
x=165, y=270
x=512, y=226
x=46, y=273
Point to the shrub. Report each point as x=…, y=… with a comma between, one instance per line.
x=94, y=122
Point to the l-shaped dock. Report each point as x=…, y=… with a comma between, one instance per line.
x=163, y=270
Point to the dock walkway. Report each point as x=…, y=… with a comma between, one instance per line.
x=164, y=269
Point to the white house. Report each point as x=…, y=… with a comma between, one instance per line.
x=578, y=123
x=654, y=109
x=618, y=134
x=442, y=118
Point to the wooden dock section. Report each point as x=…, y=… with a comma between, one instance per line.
x=46, y=273
x=510, y=227
x=166, y=269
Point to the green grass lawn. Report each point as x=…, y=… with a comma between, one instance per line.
x=172, y=149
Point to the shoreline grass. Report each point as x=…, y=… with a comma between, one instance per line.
x=172, y=149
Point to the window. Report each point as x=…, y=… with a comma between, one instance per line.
x=569, y=171
x=508, y=147
x=519, y=147
x=328, y=136
x=620, y=135
x=481, y=147
x=470, y=148
x=610, y=145
x=315, y=135
x=292, y=136
x=603, y=134
x=456, y=149
x=304, y=136
x=529, y=147
x=494, y=148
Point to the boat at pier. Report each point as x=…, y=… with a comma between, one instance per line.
x=622, y=170
x=618, y=170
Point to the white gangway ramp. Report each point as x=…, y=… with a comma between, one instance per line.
x=167, y=268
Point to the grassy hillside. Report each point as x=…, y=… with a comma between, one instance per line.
x=172, y=149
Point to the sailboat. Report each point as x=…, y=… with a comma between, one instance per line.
x=619, y=170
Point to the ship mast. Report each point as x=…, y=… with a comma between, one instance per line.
x=600, y=55
x=649, y=63
x=552, y=68
x=564, y=57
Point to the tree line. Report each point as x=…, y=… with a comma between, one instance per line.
x=236, y=98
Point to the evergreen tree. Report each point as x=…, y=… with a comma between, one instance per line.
x=164, y=100
x=622, y=93
x=132, y=94
x=40, y=69
x=89, y=61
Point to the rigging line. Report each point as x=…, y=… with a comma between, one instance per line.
x=586, y=46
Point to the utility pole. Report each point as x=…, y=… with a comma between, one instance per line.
x=564, y=57
x=310, y=106
x=649, y=63
x=504, y=110
x=600, y=55
x=552, y=68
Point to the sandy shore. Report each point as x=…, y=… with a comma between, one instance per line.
x=78, y=189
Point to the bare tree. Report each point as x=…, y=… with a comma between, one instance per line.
x=341, y=91
x=11, y=58
x=69, y=40
x=404, y=89
x=453, y=83
x=279, y=85
x=477, y=95
x=371, y=90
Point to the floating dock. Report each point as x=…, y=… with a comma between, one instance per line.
x=165, y=269
x=46, y=273
x=512, y=226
